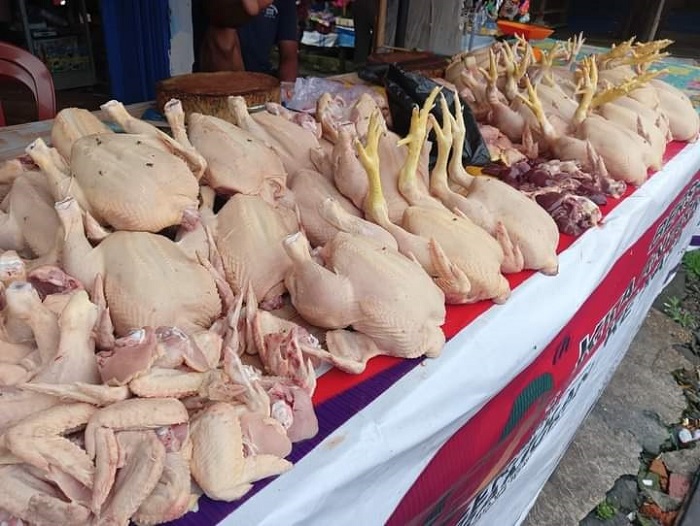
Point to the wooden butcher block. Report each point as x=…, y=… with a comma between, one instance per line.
x=207, y=93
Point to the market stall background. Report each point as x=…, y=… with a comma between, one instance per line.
x=384, y=452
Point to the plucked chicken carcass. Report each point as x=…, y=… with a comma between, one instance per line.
x=625, y=154
x=237, y=161
x=130, y=182
x=465, y=259
x=179, y=144
x=311, y=189
x=684, y=121
x=351, y=179
x=324, y=211
x=390, y=302
x=291, y=142
x=28, y=222
x=490, y=203
x=148, y=280
x=70, y=124
x=248, y=233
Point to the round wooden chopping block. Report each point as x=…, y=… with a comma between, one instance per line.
x=207, y=93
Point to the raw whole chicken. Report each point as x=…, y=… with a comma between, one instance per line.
x=311, y=189
x=683, y=119
x=29, y=223
x=179, y=144
x=498, y=208
x=625, y=154
x=291, y=142
x=248, y=233
x=465, y=259
x=70, y=124
x=148, y=280
x=237, y=160
x=130, y=182
x=389, y=301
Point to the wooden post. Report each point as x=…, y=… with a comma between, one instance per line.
x=380, y=26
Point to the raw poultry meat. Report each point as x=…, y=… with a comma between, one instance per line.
x=622, y=151
x=324, y=211
x=570, y=195
x=29, y=498
x=334, y=115
x=311, y=189
x=351, y=178
x=300, y=118
x=501, y=148
x=248, y=233
x=139, y=270
x=28, y=223
x=74, y=360
x=490, y=202
x=237, y=161
x=389, y=301
x=179, y=144
x=70, y=124
x=291, y=142
x=473, y=257
x=684, y=120
x=130, y=182
x=220, y=464
x=332, y=212
x=142, y=457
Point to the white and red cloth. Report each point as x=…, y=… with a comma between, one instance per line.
x=471, y=437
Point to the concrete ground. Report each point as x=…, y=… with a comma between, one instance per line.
x=631, y=416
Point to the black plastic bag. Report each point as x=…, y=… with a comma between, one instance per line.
x=373, y=73
x=406, y=89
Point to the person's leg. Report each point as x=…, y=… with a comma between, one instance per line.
x=364, y=14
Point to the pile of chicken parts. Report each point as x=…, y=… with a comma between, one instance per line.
x=605, y=118
x=167, y=300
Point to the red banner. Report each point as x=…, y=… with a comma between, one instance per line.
x=473, y=468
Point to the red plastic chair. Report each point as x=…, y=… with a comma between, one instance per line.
x=24, y=67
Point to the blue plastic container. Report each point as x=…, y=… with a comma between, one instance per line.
x=346, y=36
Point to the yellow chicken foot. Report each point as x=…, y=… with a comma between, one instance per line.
x=617, y=51
x=375, y=205
x=614, y=92
x=508, y=57
x=589, y=84
x=533, y=102
x=415, y=140
x=573, y=48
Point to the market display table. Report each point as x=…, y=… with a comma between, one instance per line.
x=471, y=437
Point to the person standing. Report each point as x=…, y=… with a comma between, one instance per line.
x=276, y=25
x=237, y=35
x=364, y=13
